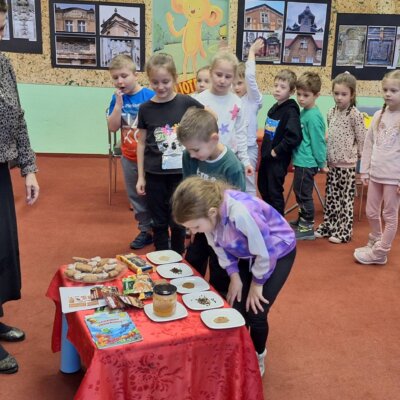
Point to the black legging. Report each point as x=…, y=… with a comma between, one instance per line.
x=258, y=323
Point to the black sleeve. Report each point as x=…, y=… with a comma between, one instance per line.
x=292, y=135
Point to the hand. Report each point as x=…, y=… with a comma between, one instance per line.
x=32, y=188
x=256, y=46
x=255, y=298
x=118, y=99
x=365, y=181
x=141, y=186
x=273, y=154
x=235, y=289
x=249, y=170
x=324, y=170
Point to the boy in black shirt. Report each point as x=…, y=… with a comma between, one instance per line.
x=282, y=135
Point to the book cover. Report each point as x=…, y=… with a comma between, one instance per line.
x=112, y=329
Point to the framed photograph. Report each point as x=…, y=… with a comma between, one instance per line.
x=271, y=52
x=303, y=49
x=381, y=41
x=263, y=15
x=370, y=48
x=294, y=32
x=23, y=32
x=306, y=17
x=74, y=18
x=91, y=34
x=351, y=45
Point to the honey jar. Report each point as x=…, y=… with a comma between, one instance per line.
x=164, y=299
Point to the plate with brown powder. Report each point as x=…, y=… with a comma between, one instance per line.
x=190, y=284
x=202, y=300
x=222, y=318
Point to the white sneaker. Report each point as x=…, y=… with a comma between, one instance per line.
x=368, y=257
x=261, y=361
x=369, y=245
x=318, y=235
x=335, y=240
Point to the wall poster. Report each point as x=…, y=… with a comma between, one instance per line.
x=90, y=35
x=192, y=31
x=23, y=31
x=294, y=32
x=370, y=48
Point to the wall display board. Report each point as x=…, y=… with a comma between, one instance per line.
x=90, y=35
x=23, y=31
x=294, y=32
x=192, y=31
x=369, y=48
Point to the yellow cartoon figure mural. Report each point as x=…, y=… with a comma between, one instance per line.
x=196, y=13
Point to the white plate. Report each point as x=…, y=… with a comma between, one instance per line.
x=199, y=284
x=164, y=257
x=176, y=270
x=229, y=317
x=202, y=300
x=179, y=313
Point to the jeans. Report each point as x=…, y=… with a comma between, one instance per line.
x=159, y=190
x=139, y=203
x=258, y=323
x=303, y=186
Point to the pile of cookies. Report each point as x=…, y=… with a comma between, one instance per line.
x=94, y=269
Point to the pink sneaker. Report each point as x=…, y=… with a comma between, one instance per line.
x=368, y=257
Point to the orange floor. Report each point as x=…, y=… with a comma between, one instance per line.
x=334, y=329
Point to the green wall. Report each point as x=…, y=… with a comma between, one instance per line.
x=71, y=119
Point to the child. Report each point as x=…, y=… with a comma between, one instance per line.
x=208, y=158
x=310, y=155
x=159, y=152
x=122, y=113
x=380, y=170
x=238, y=225
x=202, y=80
x=245, y=86
x=227, y=106
x=282, y=135
x=346, y=132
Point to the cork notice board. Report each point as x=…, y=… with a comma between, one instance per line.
x=37, y=68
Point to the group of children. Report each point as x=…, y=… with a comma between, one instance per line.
x=190, y=161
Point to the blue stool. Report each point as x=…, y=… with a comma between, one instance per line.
x=70, y=360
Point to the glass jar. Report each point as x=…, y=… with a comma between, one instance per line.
x=164, y=299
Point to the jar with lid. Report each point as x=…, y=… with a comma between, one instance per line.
x=164, y=299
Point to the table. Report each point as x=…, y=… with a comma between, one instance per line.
x=177, y=360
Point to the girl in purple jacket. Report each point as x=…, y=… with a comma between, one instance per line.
x=253, y=242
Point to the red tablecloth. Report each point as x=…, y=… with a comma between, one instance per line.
x=177, y=360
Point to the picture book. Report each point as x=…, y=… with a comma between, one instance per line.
x=112, y=329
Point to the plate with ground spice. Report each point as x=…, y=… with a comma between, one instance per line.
x=190, y=284
x=222, y=318
x=175, y=270
x=202, y=300
x=164, y=257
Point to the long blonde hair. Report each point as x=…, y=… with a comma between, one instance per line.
x=195, y=196
x=395, y=75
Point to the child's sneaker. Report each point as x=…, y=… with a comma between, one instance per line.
x=261, y=361
x=371, y=241
x=368, y=257
x=318, y=234
x=305, y=230
x=334, y=239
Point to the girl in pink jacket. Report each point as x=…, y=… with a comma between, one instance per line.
x=380, y=170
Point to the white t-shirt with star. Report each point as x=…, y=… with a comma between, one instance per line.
x=231, y=121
